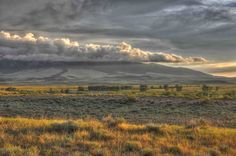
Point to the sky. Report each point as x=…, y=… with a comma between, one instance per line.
x=198, y=34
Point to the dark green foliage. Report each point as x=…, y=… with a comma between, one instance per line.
x=132, y=146
x=103, y=88
x=66, y=127
x=67, y=91
x=151, y=128
x=175, y=150
x=81, y=89
x=206, y=90
x=178, y=88
x=143, y=88
x=148, y=152
x=214, y=152
x=10, y=89
x=224, y=148
x=125, y=87
x=51, y=91
x=62, y=91
x=113, y=122
x=166, y=87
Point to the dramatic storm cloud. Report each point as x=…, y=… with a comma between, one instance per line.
x=202, y=28
x=30, y=47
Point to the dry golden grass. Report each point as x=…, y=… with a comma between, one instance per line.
x=189, y=91
x=115, y=137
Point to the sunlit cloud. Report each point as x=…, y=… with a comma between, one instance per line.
x=226, y=69
x=33, y=47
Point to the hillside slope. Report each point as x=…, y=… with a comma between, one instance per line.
x=84, y=72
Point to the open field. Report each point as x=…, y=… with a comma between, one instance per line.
x=134, y=109
x=28, y=137
x=141, y=120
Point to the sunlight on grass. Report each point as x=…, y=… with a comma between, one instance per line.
x=30, y=137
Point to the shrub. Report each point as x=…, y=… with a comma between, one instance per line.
x=132, y=146
x=88, y=145
x=113, y=122
x=214, y=152
x=224, y=148
x=10, y=89
x=201, y=123
x=11, y=150
x=151, y=128
x=100, y=135
x=178, y=88
x=176, y=150
x=101, y=153
x=143, y=88
x=166, y=87
x=148, y=152
x=66, y=127
x=131, y=99
x=206, y=90
x=80, y=89
x=67, y=91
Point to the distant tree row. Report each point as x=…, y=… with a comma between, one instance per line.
x=106, y=88
x=166, y=87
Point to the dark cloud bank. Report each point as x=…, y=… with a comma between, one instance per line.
x=203, y=28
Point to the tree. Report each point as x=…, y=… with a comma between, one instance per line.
x=206, y=90
x=50, y=91
x=80, y=89
x=178, y=88
x=166, y=87
x=67, y=91
x=143, y=88
x=10, y=89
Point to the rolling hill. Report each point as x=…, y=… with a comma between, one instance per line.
x=43, y=72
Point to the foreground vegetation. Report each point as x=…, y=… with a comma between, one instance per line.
x=29, y=137
x=190, y=120
x=171, y=110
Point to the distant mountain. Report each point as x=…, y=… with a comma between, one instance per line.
x=42, y=72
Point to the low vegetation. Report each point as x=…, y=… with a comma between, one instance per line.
x=187, y=91
x=134, y=109
x=108, y=137
x=143, y=120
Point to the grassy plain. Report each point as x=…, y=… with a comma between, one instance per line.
x=65, y=121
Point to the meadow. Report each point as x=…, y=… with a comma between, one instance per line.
x=168, y=120
x=112, y=137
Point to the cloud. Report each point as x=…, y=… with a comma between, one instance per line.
x=36, y=47
x=226, y=69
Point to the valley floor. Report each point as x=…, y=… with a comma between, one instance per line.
x=74, y=121
x=171, y=110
